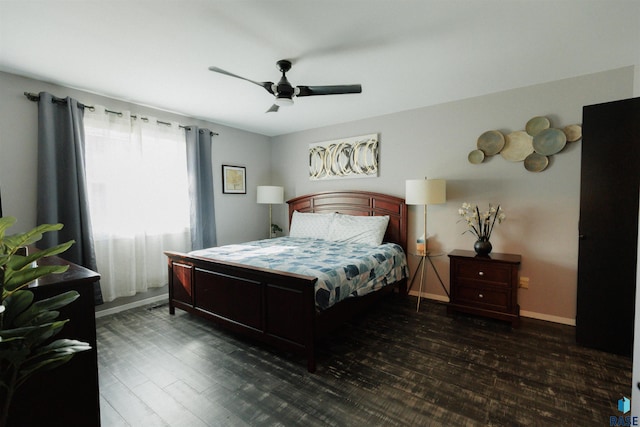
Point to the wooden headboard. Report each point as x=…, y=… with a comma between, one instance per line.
x=362, y=203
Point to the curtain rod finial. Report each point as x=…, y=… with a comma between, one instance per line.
x=32, y=96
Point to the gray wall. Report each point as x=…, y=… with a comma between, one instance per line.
x=238, y=217
x=542, y=208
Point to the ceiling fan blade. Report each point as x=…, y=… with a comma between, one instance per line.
x=328, y=90
x=267, y=85
x=274, y=109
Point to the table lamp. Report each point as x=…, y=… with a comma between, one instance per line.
x=271, y=195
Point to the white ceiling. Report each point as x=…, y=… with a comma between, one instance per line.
x=405, y=53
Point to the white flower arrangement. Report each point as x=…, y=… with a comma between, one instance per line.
x=481, y=223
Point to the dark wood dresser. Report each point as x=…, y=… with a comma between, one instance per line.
x=67, y=395
x=485, y=285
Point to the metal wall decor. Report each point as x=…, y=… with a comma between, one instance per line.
x=355, y=157
x=533, y=145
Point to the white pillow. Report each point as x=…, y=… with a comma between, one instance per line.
x=311, y=225
x=359, y=229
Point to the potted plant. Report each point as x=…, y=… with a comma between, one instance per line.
x=27, y=327
x=275, y=228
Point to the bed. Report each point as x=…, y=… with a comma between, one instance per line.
x=276, y=307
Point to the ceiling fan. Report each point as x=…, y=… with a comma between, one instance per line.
x=284, y=92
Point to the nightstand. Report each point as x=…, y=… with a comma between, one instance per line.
x=485, y=285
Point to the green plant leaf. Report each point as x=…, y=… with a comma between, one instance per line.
x=42, y=318
x=18, y=262
x=44, y=365
x=52, y=355
x=5, y=223
x=41, y=306
x=16, y=279
x=15, y=304
x=4, y=258
x=34, y=335
x=30, y=237
x=63, y=346
x=44, y=332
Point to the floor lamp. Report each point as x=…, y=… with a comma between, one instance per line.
x=425, y=192
x=271, y=195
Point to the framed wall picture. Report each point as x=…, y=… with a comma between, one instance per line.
x=234, y=179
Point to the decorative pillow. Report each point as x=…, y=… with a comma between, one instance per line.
x=359, y=229
x=311, y=225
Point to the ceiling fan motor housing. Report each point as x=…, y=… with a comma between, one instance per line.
x=283, y=89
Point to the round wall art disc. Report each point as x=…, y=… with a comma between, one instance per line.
x=491, y=142
x=536, y=125
x=536, y=162
x=549, y=142
x=517, y=146
x=573, y=132
x=476, y=157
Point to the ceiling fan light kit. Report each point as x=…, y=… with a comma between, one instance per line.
x=284, y=92
x=283, y=102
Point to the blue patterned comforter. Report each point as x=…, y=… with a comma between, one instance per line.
x=343, y=269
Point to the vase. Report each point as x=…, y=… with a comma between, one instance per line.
x=482, y=247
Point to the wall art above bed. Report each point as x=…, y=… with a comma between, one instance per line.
x=355, y=157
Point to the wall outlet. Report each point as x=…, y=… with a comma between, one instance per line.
x=524, y=282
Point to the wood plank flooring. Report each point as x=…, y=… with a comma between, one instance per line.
x=390, y=367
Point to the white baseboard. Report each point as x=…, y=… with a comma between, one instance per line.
x=435, y=297
x=523, y=313
x=548, y=318
x=123, y=307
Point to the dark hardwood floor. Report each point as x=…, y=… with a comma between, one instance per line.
x=391, y=367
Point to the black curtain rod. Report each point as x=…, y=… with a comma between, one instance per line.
x=35, y=98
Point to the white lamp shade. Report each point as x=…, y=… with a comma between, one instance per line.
x=425, y=191
x=270, y=194
x=416, y=192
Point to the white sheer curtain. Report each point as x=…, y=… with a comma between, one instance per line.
x=138, y=198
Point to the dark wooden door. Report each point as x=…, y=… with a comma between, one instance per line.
x=610, y=178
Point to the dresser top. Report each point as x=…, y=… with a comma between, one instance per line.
x=76, y=274
x=493, y=256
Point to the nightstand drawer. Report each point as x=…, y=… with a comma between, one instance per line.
x=500, y=273
x=482, y=297
x=478, y=283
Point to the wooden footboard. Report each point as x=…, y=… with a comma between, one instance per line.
x=274, y=307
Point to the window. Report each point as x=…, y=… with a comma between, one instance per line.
x=133, y=165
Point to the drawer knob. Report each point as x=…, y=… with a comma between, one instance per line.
x=480, y=296
x=481, y=273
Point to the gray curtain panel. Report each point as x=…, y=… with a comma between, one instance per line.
x=203, y=222
x=62, y=191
